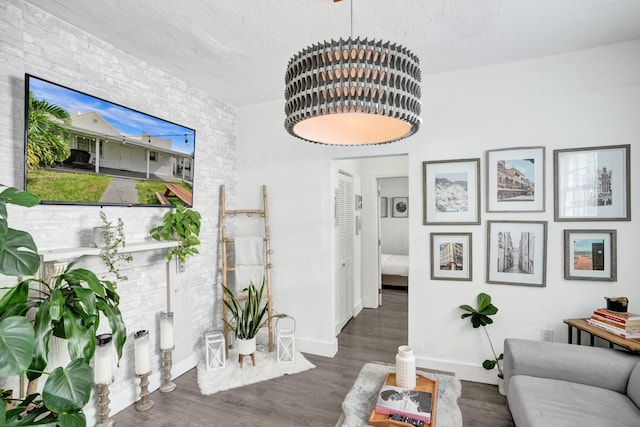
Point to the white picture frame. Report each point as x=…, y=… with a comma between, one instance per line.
x=516, y=180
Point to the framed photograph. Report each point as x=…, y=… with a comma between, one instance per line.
x=515, y=180
x=592, y=184
x=451, y=192
x=517, y=252
x=358, y=202
x=590, y=255
x=451, y=256
x=384, y=205
x=400, y=207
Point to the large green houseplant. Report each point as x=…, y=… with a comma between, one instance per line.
x=183, y=225
x=68, y=307
x=247, y=313
x=480, y=316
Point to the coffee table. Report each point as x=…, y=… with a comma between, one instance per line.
x=359, y=401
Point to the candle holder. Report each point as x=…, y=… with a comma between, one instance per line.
x=214, y=347
x=103, y=377
x=167, y=359
x=285, y=339
x=144, y=403
x=166, y=347
x=103, y=405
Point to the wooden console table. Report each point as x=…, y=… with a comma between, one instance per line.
x=581, y=325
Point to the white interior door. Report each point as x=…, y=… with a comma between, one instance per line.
x=344, y=250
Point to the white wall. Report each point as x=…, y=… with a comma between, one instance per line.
x=586, y=98
x=35, y=42
x=394, y=231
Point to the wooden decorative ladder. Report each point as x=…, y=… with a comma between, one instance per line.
x=226, y=268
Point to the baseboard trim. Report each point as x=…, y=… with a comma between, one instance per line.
x=319, y=348
x=463, y=371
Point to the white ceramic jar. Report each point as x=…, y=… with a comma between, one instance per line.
x=405, y=367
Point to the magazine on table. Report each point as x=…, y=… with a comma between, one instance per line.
x=409, y=403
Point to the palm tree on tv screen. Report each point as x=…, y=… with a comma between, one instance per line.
x=48, y=139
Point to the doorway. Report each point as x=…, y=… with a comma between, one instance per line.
x=365, y=173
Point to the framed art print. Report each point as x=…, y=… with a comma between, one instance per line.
x=400, y=207
x=590, y=255
x=451, y=256
x=451, y=191
x=515, y=180
x=592, y=184
x=517, y=252
x=384, y=204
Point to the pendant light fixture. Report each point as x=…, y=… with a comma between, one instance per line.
x=353, y=92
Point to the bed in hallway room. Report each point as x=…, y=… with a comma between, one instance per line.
x=395, y=270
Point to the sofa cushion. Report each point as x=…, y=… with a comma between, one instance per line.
x=633, y=388
x=601, y=367
x=548, y=402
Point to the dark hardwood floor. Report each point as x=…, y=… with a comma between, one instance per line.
x=314, y=397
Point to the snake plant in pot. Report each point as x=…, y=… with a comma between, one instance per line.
x=68, y=306
x=248, y=314
x=480, y=316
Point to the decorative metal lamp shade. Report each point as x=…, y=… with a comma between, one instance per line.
x=353, y=92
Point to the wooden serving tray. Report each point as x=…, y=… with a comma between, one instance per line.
x=422, y=384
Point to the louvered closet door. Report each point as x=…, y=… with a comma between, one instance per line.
x=344, y=250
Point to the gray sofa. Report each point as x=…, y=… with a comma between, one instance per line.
x=556, y=385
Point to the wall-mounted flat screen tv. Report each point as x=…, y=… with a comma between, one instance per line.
x=81, y=149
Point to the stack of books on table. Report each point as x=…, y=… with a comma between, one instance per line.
x=406, y=405
x=626, y=325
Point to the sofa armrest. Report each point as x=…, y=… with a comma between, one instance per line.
x=601, y=367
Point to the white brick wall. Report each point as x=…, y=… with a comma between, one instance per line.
x=33, y=41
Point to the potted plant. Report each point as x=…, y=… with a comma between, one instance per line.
x=69, y=307
x=247, y=316
x=183, y=225
x=110, y=238
x=481, y=316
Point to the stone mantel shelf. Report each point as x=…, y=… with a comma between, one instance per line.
x=60, y=254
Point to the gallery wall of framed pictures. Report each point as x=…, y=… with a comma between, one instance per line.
x=589, y=184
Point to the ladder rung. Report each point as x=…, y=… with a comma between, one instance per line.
x=242, y=212
x=244, y=297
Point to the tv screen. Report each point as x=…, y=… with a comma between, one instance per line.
x=81, y=149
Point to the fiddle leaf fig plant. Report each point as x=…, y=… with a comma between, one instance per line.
x=480, y=316
x=68, y=306
x=183, y=224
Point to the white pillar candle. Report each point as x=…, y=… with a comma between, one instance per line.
x=141, y=345
x=103, y=360
x=166, y=331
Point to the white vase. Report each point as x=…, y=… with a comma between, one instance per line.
x=246, y=346
x=99, y=235
x=405, y=367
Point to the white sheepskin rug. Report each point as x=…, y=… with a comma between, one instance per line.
x=232, y=376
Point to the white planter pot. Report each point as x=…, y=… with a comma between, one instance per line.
x=98, y=236
x=246, y=346
x=501, y=386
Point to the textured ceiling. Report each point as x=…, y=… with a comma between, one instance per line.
x=237, y=50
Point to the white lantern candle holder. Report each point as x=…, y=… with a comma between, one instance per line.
x=214, y=345
x=285, y=339
x=166, y=348
x=143, y=368
x=103, y=376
